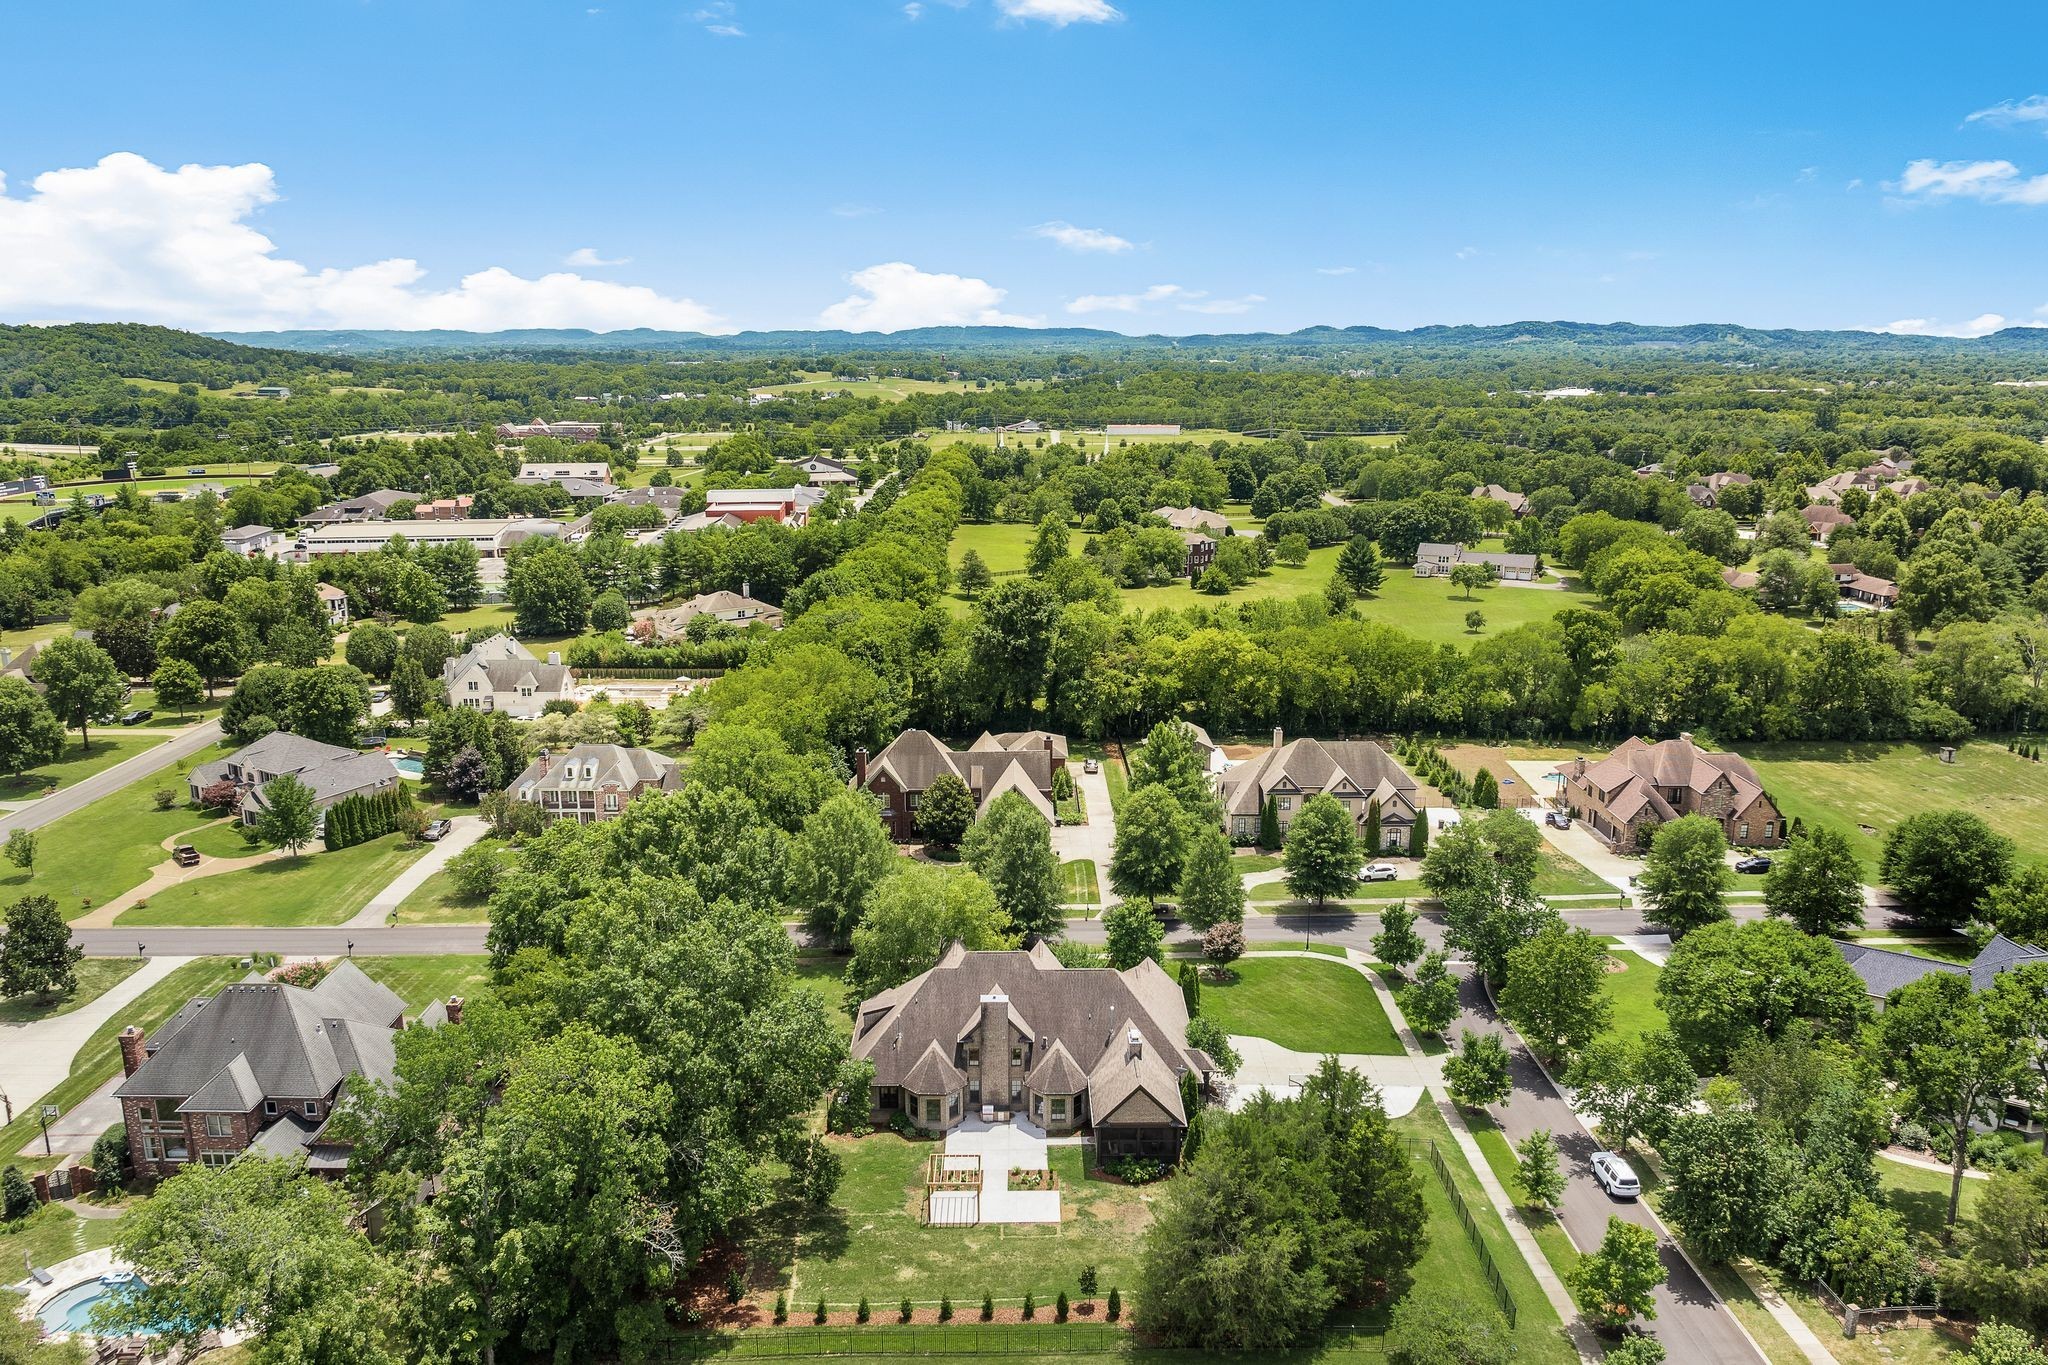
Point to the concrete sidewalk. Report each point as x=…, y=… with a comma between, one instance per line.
x=35, y=1056
x=463, y=831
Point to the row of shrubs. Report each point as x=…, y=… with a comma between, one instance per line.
x=1061, y=1307
x=1988, y=1151
x=1426, y=762
x=2025, y=748
x=359, y=819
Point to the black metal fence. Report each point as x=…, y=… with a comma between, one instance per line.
x=1486, y=1265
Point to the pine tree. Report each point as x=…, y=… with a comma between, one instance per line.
x=1269, y=823
x=988, y=1307
x=1372, y=829
x=1418, y=835
x=1116, y=1304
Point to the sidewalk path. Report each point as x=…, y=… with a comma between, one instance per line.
x=35, y=1056
x=181, y=744
x=463, y=831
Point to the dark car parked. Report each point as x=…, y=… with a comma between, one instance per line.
x=137, y=717
x=1755, y=862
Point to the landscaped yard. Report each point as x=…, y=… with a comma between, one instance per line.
x=1865, y=789
x=95, y=976
x=1078, y=883
x=101, y=1055
x=96, y=853
x=419, y=981
x=1563, y=875
x=873, y=1241
x=826, y=977
x=1920, y=1196
x=51, y=1234
x=436, y=901
x=1633, y=993
x=75, y=762
x=1302, y=1004
x=313, y=888
x=1001, y=545
x=1247, y=863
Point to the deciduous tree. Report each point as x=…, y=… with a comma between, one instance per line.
x=945, y=811
x=1478, y=1075
x=1397, y=944
x=1211, y=891
x=289, y=817
x=1685, y=879
x=1552, y=993
x=1616, y=1284
x=915, y=912
x=1816, y=882
x=37, y=957
x=1635, y=1085
x=1941, y=863
x=1430, y=1001
x=1151, y=836
x=1011, y=847
x=30, y=734
x=1728, y=983
x=836, y=861
x=1537, y=1170
x=1322, y=850
x=80, y=682
x=1131, y=933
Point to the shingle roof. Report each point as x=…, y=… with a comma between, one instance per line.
x=916, y=758
x=1194, y=519
x=1628, y=778
x=606, y=764
x=1884, y=970
x=932, y=1074
x=1317, y=765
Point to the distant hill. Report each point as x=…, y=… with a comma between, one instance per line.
x=1694, y=337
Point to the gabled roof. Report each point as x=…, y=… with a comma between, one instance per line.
x=1195, y=519
x=1630, y=777
x=916, y=758
x=233, y=1090
x=1057, y=1073
x=607, y=765
x=932, y=1073
x=1316, y=765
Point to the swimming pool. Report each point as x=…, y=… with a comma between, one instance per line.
x=71, y=1311
x=409, y=767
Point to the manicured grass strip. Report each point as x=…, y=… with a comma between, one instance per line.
x=1268, y=893
x=437, y=901
x=1326, y=949
x=1078, y=883
x=108, y=748
x=1247, y=863
x=1633, y=993
x=101, y=1055
x=825, y=976
x=95, y=976
x=419, y=981
x=1563, y=875
x=1301, y=1004
x=1550, y=1235
x=313, y=888
x=51, y=1234
x=103, y=849
x=1451, y=1265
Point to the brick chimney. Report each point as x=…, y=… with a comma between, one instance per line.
x=1686, y=735
x=1048, y=743
x=995, y=1043
x=1579, y=766
x=1279, y=737
x=860, y=766
x=132, y=1055
x=545, y=760
x=454, y=1009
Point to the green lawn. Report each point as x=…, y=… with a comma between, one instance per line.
x=96, y=853
x=1450, y=1263
x=872, y=1239
x=825, y=976
x=1921, y=1196
x=1302, y=1004
x=419, y=981
x=108, y=748
x=95, y=977
x=313, y=888
x=1633, y=993
x=1001, y=545
x=1078, y=883
x=1864, y=789
x=1248, y=863
x=51, y=1234
x=436, y=901
x=1406, y=888
x=223, y=839
x=1563, y=875
x=101, y=1055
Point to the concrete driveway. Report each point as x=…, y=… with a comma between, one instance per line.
x=1264, y=1065
x=1095, y=840
x=35, y=1056
x=463, y=831
x=1578, y=841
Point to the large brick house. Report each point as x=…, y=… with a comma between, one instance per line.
x=592, y=782
x=500, y=674
x=1023, y=761
x=331, y=772
x=1357, y=772
x=1640, y=785
x=260, y=1065
x=1017, y=1034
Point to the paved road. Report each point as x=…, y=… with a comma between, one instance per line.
x=1691, y=1321
x=182, y=744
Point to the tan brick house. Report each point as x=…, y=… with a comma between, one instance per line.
x=1358, y=772
x=1022, y=761
x=592, y=782
x=1019, y=1035
x=1640, y=785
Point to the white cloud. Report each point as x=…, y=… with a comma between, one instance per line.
x=1993, y=182
x=2012, y=113
x=913, y=10
x=1060, y=13
x=1982, y=325
x=1466, y=253
x=586, y=258
x=128, y=240
x=717, y=19
x=1130, y=303
x=1080, y=238
x=1243, y=305
x=1336, y=270
x=897, y=295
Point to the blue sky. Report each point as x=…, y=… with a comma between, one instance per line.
x=1142, y=165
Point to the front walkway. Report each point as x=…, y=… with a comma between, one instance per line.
x=463, y=831
x=35, y=1056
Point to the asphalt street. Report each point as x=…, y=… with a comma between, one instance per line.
x=85, y=791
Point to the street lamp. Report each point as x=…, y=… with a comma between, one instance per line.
x=49, y=1112
x=351, y=947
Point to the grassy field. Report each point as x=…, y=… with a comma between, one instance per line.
x=101, y=1055
x=313, y=888
x=1563, y=875
x=95, y=977
x=1078, y=883
x=1864, y=789
x=1001, y=545
x=1248, y=863
x=1633, y=993
x=872, y=1239
x=1304, y=1005
x=1450, y=1263
x=436, y=901
x=51, y=1234
x=419, y=981
x=109, y=846
x=76, y=762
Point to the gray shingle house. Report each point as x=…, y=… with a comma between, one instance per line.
x=260, y=1065
x=1016, y=1033
x=1021, y=761
x=592, y=782
x=500, y=674
x=1357, y=772
x=331, y=771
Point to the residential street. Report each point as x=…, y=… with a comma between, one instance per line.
x=181, y=744
x=1692, y=1323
